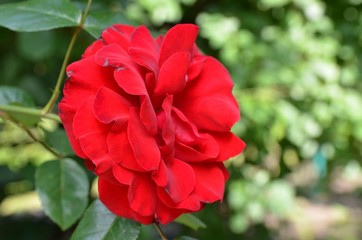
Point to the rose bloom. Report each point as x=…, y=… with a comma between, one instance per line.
x=152, y=118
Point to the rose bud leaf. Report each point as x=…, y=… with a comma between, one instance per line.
x=63, y=189
x=99, y=223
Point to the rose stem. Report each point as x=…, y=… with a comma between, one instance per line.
x=29, y=111
x=49, y=106
x=159, y=230
x=33, y=137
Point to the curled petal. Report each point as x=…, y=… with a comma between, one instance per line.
x=113, y=55
x=205, y=149
x=86, y=129
x=172, y=76
x=160, y=176
x=130, y=81
x=93, y=48
x=66, y=114
x=117, y=107
x=181, y=180
x=195, y=67
x=118, y=34
x=123, y=175
x=85, y=122
x=216, y=113
x=185, y=131
x=180, y=38
x=148, y=115
x=230, y=145
x=210, y=104
x=143, y=144
x=165, y=214
x=166, y=123
x=191, y=203
x=85, y=79
x=144, y=49
x=113, y=196
x=209, y=189
x=120, y=148
x=144, y=58
x=142, y=196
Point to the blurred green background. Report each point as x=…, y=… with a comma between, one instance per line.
x=296, y=65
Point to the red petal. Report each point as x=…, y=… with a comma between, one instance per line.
x=144, y=146
x=66, y=114
x=142, y=196
x=172, y=76
x=191, y=203
x=92, y=136
x=230, y=145
x=166, y=123
x=179, y=38
x=110, y=106
x=97, y=151
x=142, y=38
x=85, y=79
x=119, y=34
x=181, y=180
x=130, y=81
x=185, y=131
x=148, y=115
x=120, y=149
x=160, y=176
x=114, y=197
x=144, y=58
x=93, y=48
x=210, y=182
x=84, y=121
x=210, y=103
x=113, y=55
x=196, y=66
x=122, y=174
x=165, y=214
x=144, y=49
x=204, y=150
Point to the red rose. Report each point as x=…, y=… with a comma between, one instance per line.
x=152, y=119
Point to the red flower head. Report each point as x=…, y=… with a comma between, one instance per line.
x=152, y=119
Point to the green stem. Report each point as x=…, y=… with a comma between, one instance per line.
x=159, y=230
x=29, y=111
x=50, y=105
x=35, y=139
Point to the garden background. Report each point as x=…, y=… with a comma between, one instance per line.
x=296, y=65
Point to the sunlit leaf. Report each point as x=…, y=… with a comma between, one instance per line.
x=99, y=223
x=39, y=15
x=63, y=189
x=190, y=221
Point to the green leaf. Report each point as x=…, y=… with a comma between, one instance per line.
x=191, y=221
x=11, y=101
x=63, y=189
x=15, y=96
x=99, y=223
x=59, y=140
x=97, y=21
x=39, y=15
